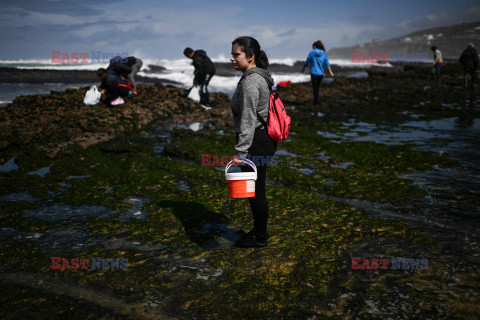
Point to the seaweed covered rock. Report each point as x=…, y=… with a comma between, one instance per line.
x=52, y=122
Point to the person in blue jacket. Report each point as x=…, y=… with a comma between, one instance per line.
x=317, y=59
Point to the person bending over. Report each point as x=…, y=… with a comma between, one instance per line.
x=113, y=86
x=128, y=68
x=204, y=71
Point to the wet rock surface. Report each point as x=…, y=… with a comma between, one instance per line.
x=53, y=122
x=385, y=168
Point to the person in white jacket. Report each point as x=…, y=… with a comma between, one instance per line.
x=437, y=61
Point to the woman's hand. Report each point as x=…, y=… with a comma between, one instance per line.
x=237, y=160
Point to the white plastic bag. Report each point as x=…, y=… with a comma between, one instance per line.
x=92, y=96
x=194, y=94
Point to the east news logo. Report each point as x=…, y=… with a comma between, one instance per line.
x=398, y=263
x=93, y=263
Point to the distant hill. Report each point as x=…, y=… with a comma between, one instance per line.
x=451, y=40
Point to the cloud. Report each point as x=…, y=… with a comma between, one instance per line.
x=362, y=18
x=164, y=29
x=366, y=33
x=70, y=8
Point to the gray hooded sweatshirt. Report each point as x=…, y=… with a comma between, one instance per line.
x=252, y=96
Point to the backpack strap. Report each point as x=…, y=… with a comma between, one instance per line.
x=275, y=95
x=271, y=92
x=261, y=120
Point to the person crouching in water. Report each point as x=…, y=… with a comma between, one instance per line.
x=250, y=102
x=113, y=86
x=204, y=71
x=317, y=59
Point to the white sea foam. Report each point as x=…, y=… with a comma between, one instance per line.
x=349, y=63
x=179, y=70
x=171, y=64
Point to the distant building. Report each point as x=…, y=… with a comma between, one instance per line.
x=375, y=40
x=406, y=39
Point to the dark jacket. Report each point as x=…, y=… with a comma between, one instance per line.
x=469, y=60
x=122, y=66
x=114, y=85
x=112, y=78
x=202, y=63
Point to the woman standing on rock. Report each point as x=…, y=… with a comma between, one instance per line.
x=317, y=58
x=250, y=102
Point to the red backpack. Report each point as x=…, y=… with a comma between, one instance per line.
x=278, y=122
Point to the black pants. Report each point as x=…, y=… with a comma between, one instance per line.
x=203, y=81
x=473, y=76
x=114, y=90
x=262, y=149
x=316, y=81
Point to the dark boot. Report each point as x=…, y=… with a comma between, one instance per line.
x=251, y=240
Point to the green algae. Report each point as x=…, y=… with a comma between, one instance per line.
x=306, y=264
x=324, y=227
x=19, y=302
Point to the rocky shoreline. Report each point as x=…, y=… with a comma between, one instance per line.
x=51, y=122
x=386, y=168
x=55, y=121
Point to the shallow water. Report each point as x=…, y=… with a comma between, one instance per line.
x=65, y=212
x=9, y=166
x=137, y=211
x=24, y=196
x=182, y=186
x=40, y=172
x=281, y=152
x=449, y=190
x=9, y=91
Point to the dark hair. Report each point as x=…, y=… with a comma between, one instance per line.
x=251, y=47
x=318, y=44
x=434, y=48
x=187, y=51
x=101, y=72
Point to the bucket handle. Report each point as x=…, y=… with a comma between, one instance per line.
x=247, y=161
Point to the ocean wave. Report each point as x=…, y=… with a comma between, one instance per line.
x=181, y=64
x=219, y=83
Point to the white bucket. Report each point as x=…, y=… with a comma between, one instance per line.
x=241, y=184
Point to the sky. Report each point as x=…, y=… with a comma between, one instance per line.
x=32, y=29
